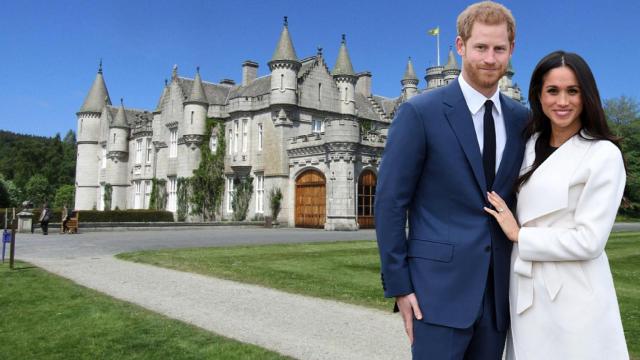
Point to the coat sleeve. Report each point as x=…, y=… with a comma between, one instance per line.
x=594, y=214
x=398, y=176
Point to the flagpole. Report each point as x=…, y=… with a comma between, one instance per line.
x=438, y=45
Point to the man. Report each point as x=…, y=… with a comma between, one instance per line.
x=446, y=149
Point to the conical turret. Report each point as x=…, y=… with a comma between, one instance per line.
x=197, y=91
x=121, y=117
x=451, y=69
x=343, y=63
x=285, y=49
x=409, y=81
x=284, y=66
x=98, y=95
x=345, y=79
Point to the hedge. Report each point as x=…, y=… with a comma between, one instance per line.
x=104, y=216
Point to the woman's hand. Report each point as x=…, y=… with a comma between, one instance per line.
x=503, y=216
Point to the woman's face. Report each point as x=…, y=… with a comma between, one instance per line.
x=561, y=99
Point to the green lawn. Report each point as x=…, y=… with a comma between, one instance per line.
x=43, y=316
x=349, y=271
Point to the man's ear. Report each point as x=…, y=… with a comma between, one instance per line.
x=460, y=47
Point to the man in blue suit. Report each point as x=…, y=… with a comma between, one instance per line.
x=445, y=150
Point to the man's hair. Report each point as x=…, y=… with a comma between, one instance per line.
x=485, y=12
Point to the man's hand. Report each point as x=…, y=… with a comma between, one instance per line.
x=408, y=306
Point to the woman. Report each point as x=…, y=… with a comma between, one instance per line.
x=562, y=301
x=45, y=216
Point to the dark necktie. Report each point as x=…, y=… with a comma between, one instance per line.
x=489, y=147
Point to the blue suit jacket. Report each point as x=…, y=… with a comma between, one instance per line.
x=431, y=171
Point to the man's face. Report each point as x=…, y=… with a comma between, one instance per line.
x=485, y=56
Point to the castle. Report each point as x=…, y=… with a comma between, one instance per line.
x=317, y=134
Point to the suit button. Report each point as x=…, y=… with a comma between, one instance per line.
x=487, y=248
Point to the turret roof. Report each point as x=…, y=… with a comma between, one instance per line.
x=98, y=95
x=284, y=49
x=409, y=73
x=121, y=118
x=452, y=63
x=197, y=90
x=343, y=64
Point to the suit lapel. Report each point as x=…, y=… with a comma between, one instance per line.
x=509, y=155
x=459, y=118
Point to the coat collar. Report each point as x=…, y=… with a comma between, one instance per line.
x=459, y=118
x=547, y=190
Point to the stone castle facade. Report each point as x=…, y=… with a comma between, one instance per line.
x=315, y=133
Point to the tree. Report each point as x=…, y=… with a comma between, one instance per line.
x=243, y=189
x=207, y=183
x=65, y=195
x=37, y=190
x=622, y=110
x=184, y=195
x=5, y=197
x=106, y=198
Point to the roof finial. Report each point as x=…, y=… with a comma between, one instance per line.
x=100, y=67
x=319, y=51
x=286, y=21
x=344, y=38
x=166, y=82
x=198, y=69
x=122, y=102
x=174, y=71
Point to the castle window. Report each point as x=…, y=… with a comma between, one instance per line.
x=281, y=82
x=172, y=190
x=192, y=118
x=114, y=139
x=147, y=193
x=136, y=197
x=213, y=143
x=138, y=151
x=259, y=193
x=230, y=141
x=173, y=143
x=236, y=136
x=245, y=135
x=259, y=137
x=229, y=194
x=81, y=125
x=346, y=94
x=319, y=92
x=317, y=126
x=104, y=157
x=149, y=150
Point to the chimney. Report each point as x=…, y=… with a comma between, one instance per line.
x=363, y=85
x=249, y=72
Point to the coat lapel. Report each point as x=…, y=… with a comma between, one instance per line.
x=509, y=155
x=459, y=118
x=548, y=188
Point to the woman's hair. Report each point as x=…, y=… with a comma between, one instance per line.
x=592, y=118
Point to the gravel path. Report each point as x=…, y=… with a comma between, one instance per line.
x=294, y=325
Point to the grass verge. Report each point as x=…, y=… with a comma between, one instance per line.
x=43, y=316
x=350, y=272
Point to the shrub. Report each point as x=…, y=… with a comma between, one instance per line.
x=126, y=216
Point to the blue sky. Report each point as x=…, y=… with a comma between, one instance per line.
x=49, y=50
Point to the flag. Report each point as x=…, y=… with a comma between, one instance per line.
x=435, y=31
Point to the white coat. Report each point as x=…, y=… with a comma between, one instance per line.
x=562, y=301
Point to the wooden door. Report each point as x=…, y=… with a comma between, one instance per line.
x=366, y=199
x=310, y=200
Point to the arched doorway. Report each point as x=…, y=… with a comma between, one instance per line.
x=310, y=199
x=366, y=199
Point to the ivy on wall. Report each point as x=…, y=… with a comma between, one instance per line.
x=108, y=190
x=243, y=189
x=207, y=183
x=158, y=194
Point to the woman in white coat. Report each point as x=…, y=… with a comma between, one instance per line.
x=562, y=299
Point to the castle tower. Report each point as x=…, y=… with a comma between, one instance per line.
x=194, y=123
x=507, y=86
x=451, y=69
x=345, y=79
x=284, y=66
x=88, y=147
x=118, y=158
x=409, y=82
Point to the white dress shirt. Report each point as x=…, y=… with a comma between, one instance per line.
x=475, y=101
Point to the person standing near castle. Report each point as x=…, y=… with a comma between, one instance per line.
x=45, y=216
x=445, y=150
